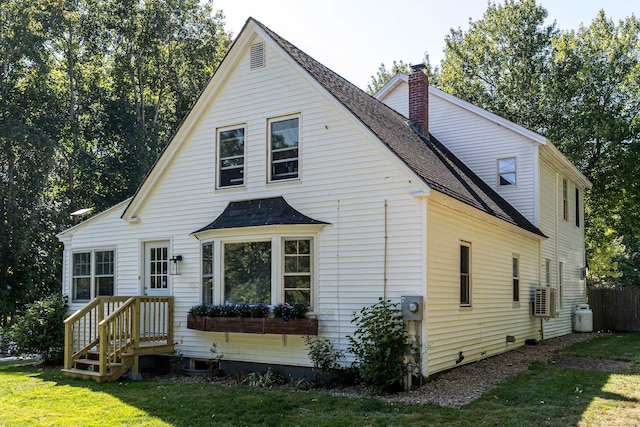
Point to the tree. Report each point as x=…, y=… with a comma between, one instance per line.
x=25, y=155
x=500, y=62
x=593, y=112
x=89, y=89
x=384, y=75
x=164, y=52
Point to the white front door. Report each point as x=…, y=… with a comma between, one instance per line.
x=156, y=269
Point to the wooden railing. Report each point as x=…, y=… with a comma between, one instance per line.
x=115, y=326
x=81, y=328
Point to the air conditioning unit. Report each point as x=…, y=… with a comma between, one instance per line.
x=544, y=303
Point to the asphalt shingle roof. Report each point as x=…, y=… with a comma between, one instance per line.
x=427, y=157
x=259, y=212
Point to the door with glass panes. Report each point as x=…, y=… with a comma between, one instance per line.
x=157, y=269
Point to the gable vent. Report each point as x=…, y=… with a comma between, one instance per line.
x=256, y=55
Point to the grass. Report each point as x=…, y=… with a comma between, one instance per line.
x=544, y=396
x=624, y=347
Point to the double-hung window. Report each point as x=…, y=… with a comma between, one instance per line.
x=297, y=271
x=565, y=200
x=231, y=148
x=284, y=144
x=577, y=202
x=207, y=273
x=507, y=172
x=465, y=274
x=515, y=266
x=93, y=274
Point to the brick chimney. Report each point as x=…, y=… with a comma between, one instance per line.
x=419, y=99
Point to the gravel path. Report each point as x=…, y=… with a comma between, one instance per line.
x=466, y=383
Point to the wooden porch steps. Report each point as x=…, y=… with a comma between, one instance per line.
x=104, y=340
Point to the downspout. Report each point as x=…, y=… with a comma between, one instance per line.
x=386, y=239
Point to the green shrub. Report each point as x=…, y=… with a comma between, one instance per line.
x=324, y=357
x=39, y=330
x=381, y=346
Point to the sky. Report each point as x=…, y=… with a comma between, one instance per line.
x=353, y=37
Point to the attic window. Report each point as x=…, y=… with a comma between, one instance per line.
x=256, y=55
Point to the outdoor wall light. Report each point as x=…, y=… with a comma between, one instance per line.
x=175, y=265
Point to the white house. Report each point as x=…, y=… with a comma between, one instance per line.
x=347, y=200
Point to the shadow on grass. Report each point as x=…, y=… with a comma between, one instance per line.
x=544, y=396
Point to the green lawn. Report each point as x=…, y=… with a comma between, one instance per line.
x=33, y=396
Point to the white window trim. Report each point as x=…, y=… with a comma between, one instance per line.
x=218, y=157
x=515, y=172
x=514, y=278
x=270, y=179
x=565, y=199
x=92, y=277
x=469, y=276
x=277, y=262
x=311, y=266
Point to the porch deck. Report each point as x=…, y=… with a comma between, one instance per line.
x=105, y=338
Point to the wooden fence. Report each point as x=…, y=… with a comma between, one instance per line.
x=615, y=309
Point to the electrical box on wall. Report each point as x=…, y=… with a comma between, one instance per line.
x=411, y=307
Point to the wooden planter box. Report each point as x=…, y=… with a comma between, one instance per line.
x=246, y=325
x=250, y=325
x=291, y=326
x=195, y=322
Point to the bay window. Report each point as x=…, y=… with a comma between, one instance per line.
x=270, y=270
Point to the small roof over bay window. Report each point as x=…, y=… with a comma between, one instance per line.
x=259, y=213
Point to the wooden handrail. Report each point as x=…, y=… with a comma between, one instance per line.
x=115, y=325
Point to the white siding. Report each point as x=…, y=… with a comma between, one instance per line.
x=346, y=177
x=480, y=330
x=398, y=98
x=479, y=143
x=565, y=244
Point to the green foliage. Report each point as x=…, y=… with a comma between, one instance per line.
x=267, y=380
x=230, y=310
x=381, y=345
x=214, y=357
x=175, y=359
x=324, y=356
x=39, y=330
x=594, y=99
x=499, y=63
x=285, y=312
x=384, y=75
x=89, y=89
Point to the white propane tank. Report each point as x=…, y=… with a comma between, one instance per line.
x=583, y=318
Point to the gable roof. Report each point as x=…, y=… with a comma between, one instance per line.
x=426, y=156
x=423, y=155
x=258, y=213
x=535, y=137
